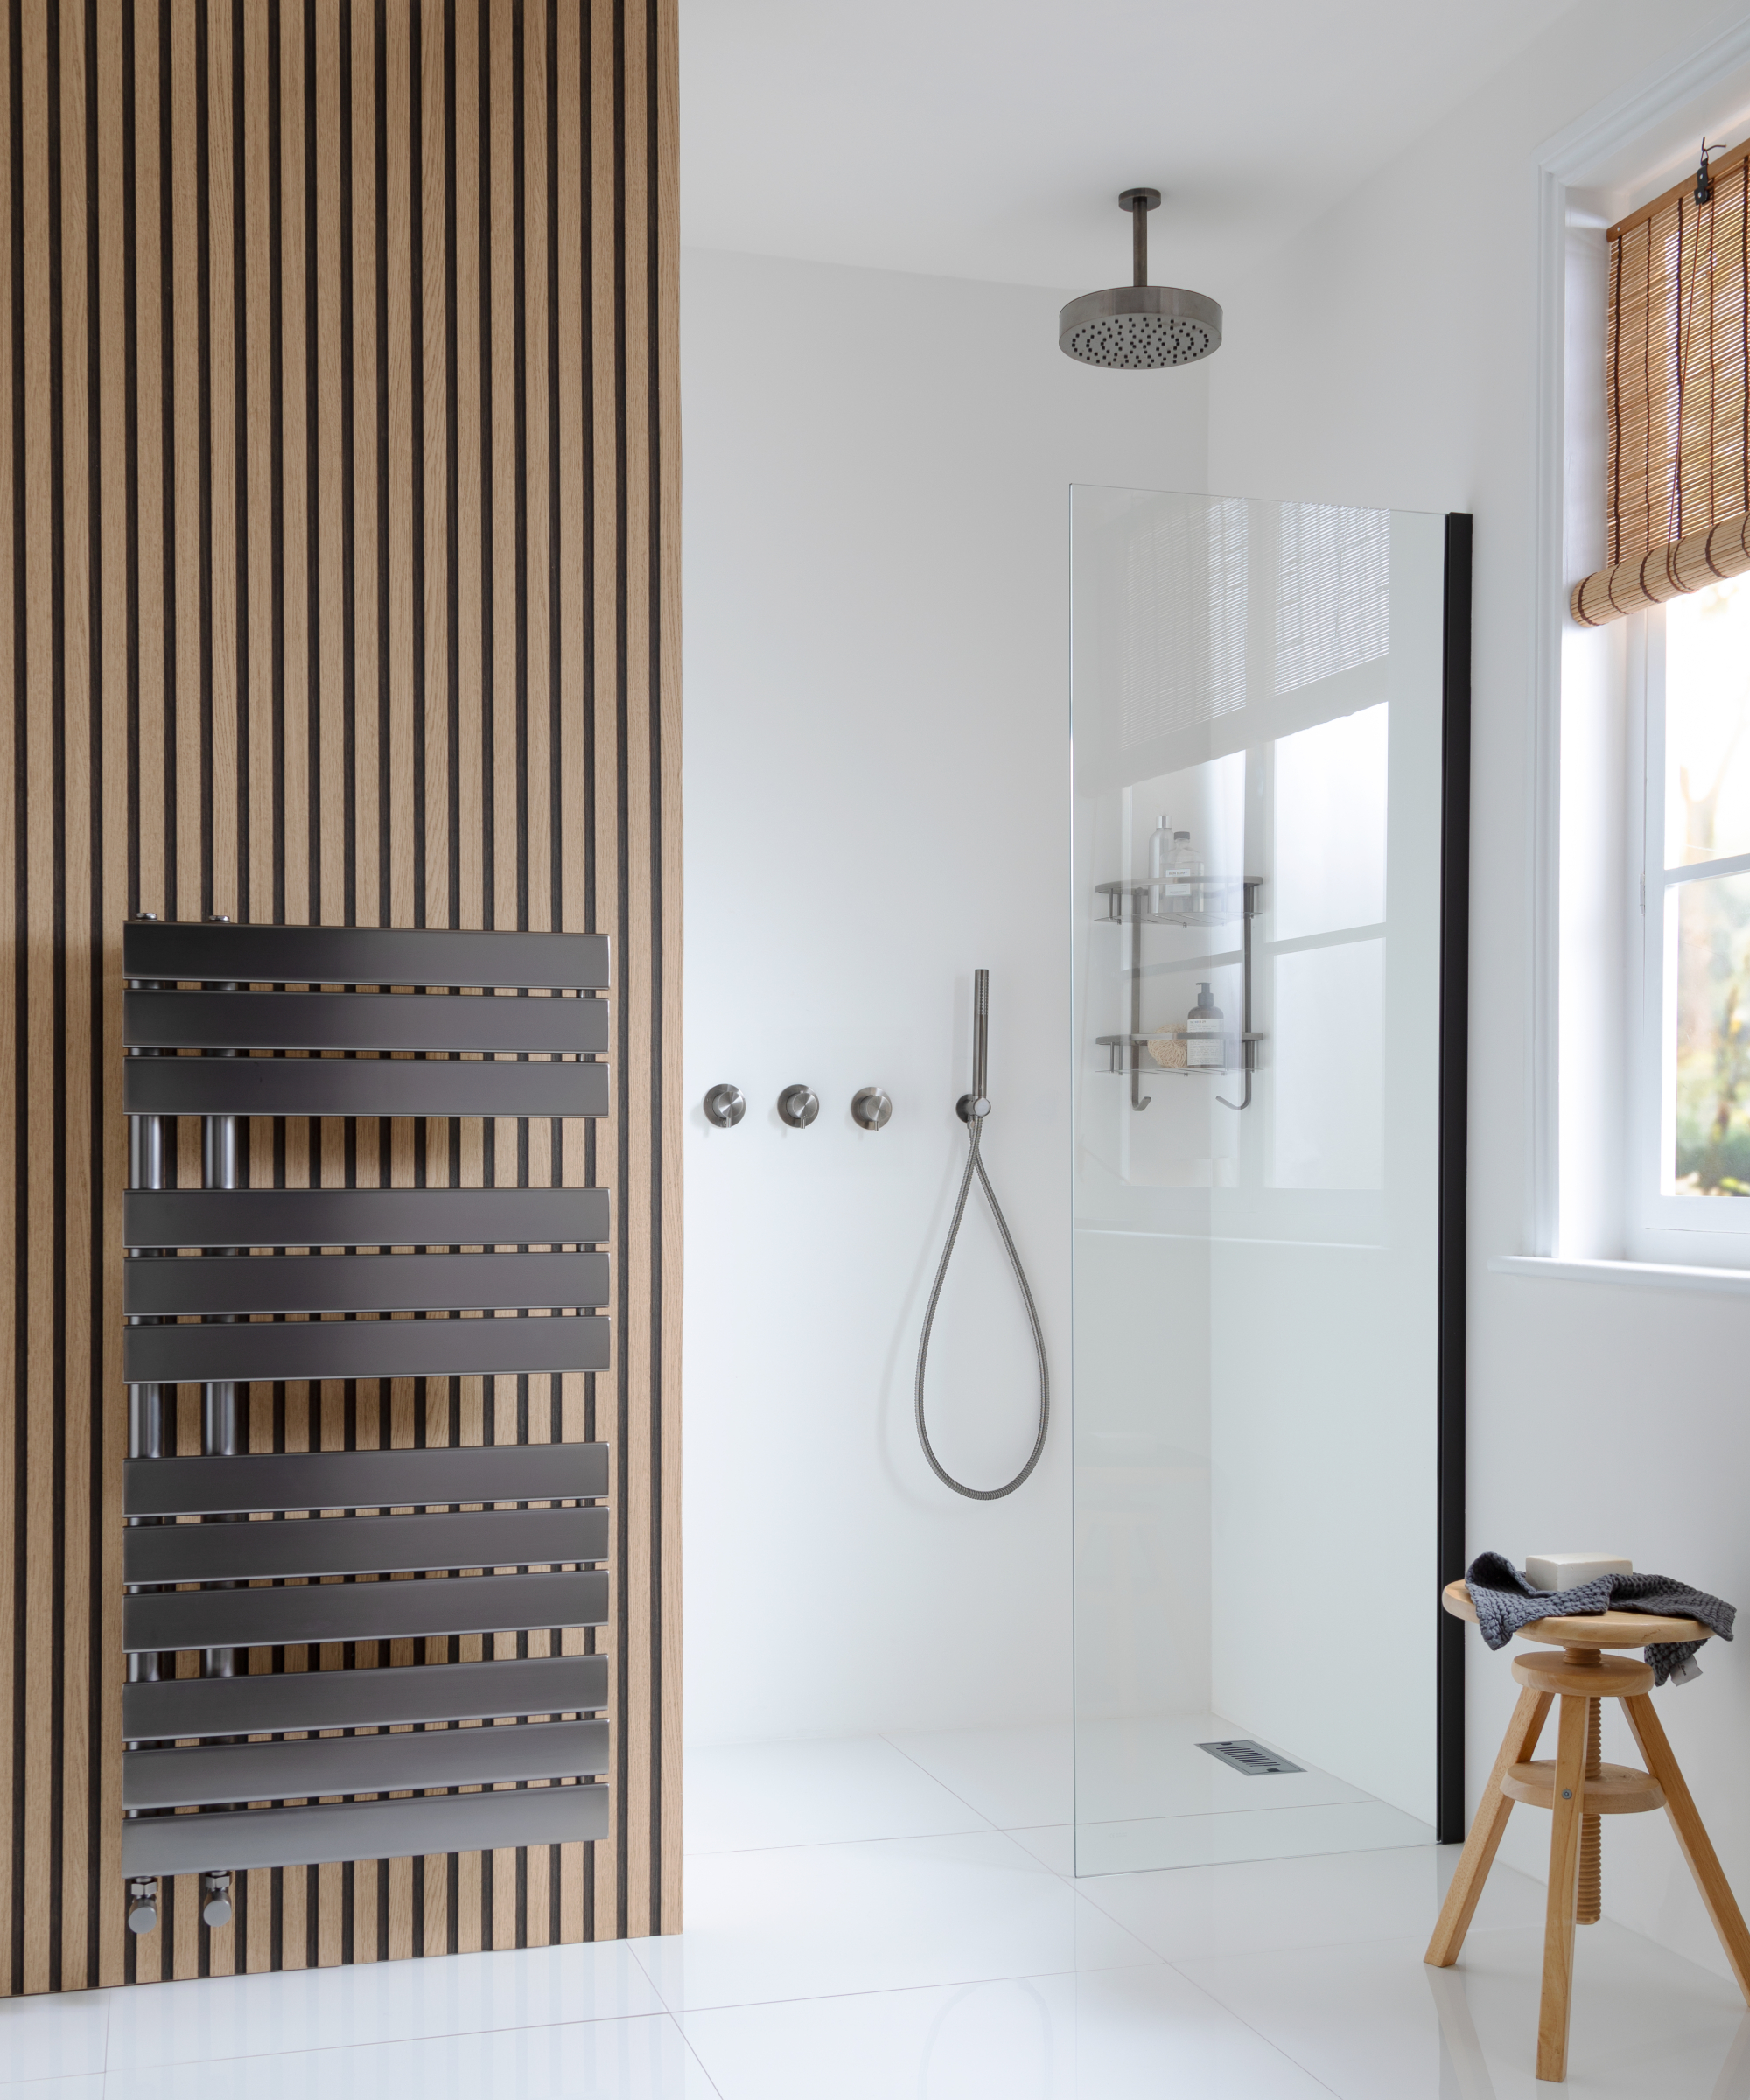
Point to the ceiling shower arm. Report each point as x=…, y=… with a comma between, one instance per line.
x=1140, y=203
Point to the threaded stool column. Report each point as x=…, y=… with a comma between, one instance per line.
x=1589, y=1897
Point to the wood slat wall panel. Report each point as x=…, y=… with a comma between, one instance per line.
x=338, y=364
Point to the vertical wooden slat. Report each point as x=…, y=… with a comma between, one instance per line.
x=500, y=153
x=149, y=271
x=106, y=1897
x=80, y=879
x=434, y=329
x=41, y=869
x=636, y=984
x=666, y=1110
x=239, y=638
x=154, y=589
x=12, y=759
x=294, y=656
x=535, y=565
x=366, y=525
x=188, y=445
x=331, y=797
x=397, y=207
x=609, y=1918
x=470, y=822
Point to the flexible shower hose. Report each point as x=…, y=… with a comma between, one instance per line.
x=973, y=1108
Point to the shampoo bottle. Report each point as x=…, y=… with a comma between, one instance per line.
x=1205, y=1049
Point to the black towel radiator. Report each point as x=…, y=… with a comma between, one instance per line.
x=215, y=1559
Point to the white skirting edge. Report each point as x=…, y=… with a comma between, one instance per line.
x=1658, y=1275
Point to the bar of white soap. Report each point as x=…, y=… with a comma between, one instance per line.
x=1568, y=1570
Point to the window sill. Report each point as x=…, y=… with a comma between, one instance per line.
x=1655, y=1276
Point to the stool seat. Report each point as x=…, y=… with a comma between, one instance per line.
x=1618, y=1790
x=1588, y=1630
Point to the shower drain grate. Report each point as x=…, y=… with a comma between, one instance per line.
x=1250, y=1758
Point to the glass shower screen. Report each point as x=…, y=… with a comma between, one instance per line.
x=1261, y=714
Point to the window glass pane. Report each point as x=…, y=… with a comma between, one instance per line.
x=1708, y=1036
x=1330, y=826
x=1707, y=724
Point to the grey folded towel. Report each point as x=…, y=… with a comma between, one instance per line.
x=1505, y=1601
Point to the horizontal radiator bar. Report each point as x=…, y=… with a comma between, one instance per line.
x=362, y=1764
x=361, y=1545
x=362, y=1348
x=162, y=1619
x=166, y=1284
x=362, y=955
x=359, y=1020
x=362, y=1830
x=270, y=1703
x=358, y=1086
x=365, y=1217
x=364, y=1479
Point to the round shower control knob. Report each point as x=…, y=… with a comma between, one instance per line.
x=871, y=1109
x=725, y=1106
x=798, y=1105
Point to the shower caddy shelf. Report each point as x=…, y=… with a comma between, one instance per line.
x=1213, y=900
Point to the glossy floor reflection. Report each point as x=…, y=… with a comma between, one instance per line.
x=897, y=1920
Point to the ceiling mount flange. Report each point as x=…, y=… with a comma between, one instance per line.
x=1129, y=199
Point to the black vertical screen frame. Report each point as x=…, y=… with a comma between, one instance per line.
x=1455, y=917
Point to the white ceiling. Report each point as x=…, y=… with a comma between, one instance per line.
x=966, y=138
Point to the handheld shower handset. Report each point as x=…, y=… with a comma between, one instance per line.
x=972, y=1110
x=977, y=1102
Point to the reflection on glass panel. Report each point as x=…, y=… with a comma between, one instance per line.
x=1707, y=706
x=1332, y=591
x=1330, y=825
x=1709, y=1067
x=1328, y=1014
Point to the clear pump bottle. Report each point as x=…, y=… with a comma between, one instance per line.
x=1160, y=859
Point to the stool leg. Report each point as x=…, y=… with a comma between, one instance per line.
x=1698, y=1848
x=1564, y=1867
x=1517, y=1745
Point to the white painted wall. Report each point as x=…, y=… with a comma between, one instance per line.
x=1387, y=358
x=876, y=802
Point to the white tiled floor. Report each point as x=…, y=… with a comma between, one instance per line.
x=897, y=1918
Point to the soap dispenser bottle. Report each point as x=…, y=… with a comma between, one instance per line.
x=1205, y=1047
x=1160, y=858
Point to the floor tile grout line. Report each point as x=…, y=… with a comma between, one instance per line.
x=943, y=1783
x=689, y=2045
x=660, y=2011
x=1275, y=2047
x=950, y=1983
x=804, y=1845
x=380, y=2041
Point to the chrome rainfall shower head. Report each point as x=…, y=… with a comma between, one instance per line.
x=1139, y=327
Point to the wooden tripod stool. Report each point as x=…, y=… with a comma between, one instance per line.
x=1579, y=1789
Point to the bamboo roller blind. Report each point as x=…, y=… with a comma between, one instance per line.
x=339, y=448
x=1677, y=392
